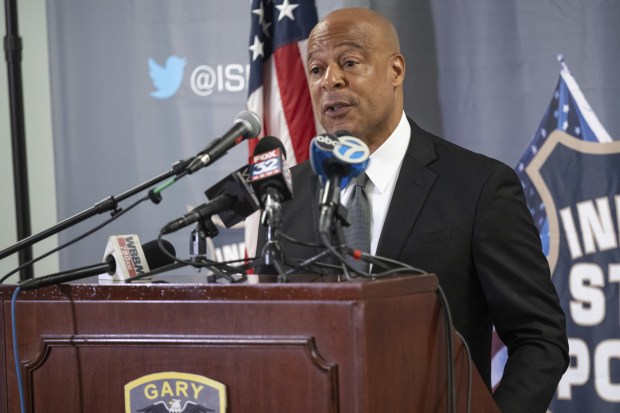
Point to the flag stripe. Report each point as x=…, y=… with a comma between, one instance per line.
x=275, y=116
x=295, y=98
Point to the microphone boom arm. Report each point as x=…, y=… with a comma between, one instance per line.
x=66, y=276
x=107, y=204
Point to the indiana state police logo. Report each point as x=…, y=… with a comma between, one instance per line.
x=579, y=183
x=173, y=392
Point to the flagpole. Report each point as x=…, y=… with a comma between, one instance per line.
x=563, y=63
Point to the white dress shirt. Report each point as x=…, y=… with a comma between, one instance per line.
x=382, y=172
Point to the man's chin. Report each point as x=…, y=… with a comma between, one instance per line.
x=339, y=127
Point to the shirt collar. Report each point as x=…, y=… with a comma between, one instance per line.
x=386, y=160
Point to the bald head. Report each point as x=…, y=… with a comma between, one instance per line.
x=371, y=27
x=356, y=73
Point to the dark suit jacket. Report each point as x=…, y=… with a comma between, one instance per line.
x=463, y=216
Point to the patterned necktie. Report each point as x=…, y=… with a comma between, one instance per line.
x=357, y=234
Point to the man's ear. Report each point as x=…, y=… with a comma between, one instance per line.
x=398, y=69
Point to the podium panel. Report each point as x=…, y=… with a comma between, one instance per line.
x=375, y=346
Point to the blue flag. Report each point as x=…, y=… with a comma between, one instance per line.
x=568, y=111
x=571, y=177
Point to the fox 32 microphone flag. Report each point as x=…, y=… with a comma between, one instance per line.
x=571, y=178
x=278, y=90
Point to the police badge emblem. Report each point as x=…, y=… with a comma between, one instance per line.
x=173, y=392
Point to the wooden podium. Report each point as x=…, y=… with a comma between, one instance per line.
x=376, y=346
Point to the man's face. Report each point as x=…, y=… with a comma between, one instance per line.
x=352, y=81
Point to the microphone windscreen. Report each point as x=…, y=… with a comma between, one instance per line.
x=269, y=143
x=252, y=122
x=343, y=156
x=155, y=257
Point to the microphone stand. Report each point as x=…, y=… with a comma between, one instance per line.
x=205, y=228
x=338, y=219
x=13, y=54
x=341, y=219
x=107, y=204
x=272, y=218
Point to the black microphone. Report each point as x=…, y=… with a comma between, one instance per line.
x=232, y=198
x=204, y=211
x=269, y=174
x=245, y=201
x=272, y=181
x=155, y=258
x=247, y=125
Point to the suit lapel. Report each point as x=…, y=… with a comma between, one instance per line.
x=315, y=190
x=304, y=178
x=412, y=188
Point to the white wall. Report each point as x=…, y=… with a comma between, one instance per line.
x=36, y=87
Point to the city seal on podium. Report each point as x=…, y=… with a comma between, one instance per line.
x=173, y=392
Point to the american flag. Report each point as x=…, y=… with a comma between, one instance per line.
x=570, y=112
x=278, y=90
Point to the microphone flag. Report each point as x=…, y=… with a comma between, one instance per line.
x=129, y=256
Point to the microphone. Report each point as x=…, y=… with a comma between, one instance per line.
x=130, y=258
x=246, y=125
x=269, y=174
x=245, y=201
x=272, y=181
x=232, y=198
x=336, y=160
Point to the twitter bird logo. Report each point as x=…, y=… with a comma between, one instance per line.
x=166, y=79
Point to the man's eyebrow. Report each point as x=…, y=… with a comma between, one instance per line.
x=345, y=44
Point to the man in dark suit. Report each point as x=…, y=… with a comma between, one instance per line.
x=435, y=206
